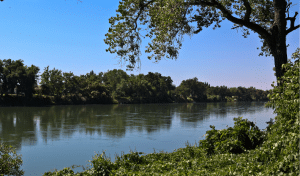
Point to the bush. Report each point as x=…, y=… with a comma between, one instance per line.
x=10, y=162
x=245, y=135
x=281, y=150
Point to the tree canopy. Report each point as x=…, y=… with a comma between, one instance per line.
x=166, y=22
x=16, y=75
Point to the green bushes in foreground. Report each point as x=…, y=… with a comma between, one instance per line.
x=10, y=162
x=245, y=135
x=214, y=154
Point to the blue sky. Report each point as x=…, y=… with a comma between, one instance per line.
x=68, y=35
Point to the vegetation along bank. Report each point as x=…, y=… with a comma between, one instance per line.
x=19, y=86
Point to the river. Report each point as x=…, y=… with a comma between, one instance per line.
x=62, y=136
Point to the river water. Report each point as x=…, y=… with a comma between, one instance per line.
x=62, y=136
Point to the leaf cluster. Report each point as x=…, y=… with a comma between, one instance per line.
x=10, y=162
x=165, y=22
x=245, y=135
x=16, y=75
x=282, y=145
x=193, y=88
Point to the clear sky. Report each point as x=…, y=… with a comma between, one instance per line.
x=68, y=35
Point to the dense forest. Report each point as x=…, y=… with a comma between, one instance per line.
x=20, y=85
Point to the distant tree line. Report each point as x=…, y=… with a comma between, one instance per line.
x=114, y=86
x=192, y=89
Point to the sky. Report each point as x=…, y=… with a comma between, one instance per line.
x=68, y=35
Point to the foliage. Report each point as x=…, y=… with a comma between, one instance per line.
x=69, y=83
x=282, y=147
x=16, y=75
x=167, y=21
x=113, y=78
x=159, y=87
x=10, y=162
x=28, y=81
x=113, y=86
x=193, y=88
x=236, y=94
x=52, y=81
x=245, y=135
x=11, y=73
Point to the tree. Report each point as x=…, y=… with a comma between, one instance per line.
x=168, y=20
x=56, y=82
x=159, y=87
x=69, y=83
x=12, y=72
x=28, y=80
x=193, y=88
x=223, y=92
x=113, y=77
x=1, y=77
x=95, y=88
x=45, y=81
x=81, y=84
x=136, y=87
x=52, y=81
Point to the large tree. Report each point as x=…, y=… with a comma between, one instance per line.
x=193, y=88
x=52, y=82
x=28, y=80
x=167, y=21
x=11, y=73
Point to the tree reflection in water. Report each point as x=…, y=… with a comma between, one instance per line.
x=28, y=125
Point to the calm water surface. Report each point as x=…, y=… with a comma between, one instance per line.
x=62, y=136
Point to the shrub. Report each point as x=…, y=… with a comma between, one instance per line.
x=10, y=162
x=281, y=150
x=245, y=135
x=102, y=165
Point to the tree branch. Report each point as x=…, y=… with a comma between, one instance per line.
x=248, y=10
x=142, y=6
x=227, y=14
x=292, y=26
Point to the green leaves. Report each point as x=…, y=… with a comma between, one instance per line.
x=14, y=74
x=283, y=137
x=52, y=82
x=192, y=88
x=245, y=135
x=10, y=162
x=166, y=21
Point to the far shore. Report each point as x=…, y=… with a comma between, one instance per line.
x=44, y=101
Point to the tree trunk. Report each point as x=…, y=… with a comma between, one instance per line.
x=278, y=41
x=280, y=58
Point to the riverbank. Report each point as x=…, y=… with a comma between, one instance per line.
x=223, y=152
x=43, y=100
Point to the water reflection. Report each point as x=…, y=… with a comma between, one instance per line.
x=28, y=125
